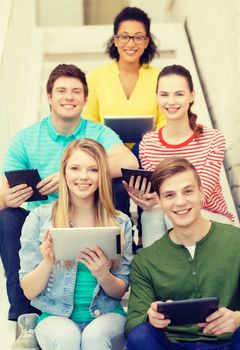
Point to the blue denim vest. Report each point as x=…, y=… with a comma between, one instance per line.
x=58, y=295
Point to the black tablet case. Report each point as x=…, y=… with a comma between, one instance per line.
x=127, y=173
x=188, y=311
x=30, y=177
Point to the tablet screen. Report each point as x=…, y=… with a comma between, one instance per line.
x=130, y=128
x=188, y=311
x=68, y=242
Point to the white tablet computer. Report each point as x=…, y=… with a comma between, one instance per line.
x=68, y=242
x=130, y=128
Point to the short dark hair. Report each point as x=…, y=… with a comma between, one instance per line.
x=176, y=69
x=171, y=166
x=66, y=70
x=133, y=14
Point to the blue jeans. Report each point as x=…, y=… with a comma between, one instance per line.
x=145, y=336
x=11, y=222
x=135, y=151
x=103, y=333
x=120, y=196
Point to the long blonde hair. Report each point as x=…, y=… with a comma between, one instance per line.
x=105, y=213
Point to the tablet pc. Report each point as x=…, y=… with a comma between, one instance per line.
x=188, y=311
x=30, y=177
x=68, y=242
x=130, y=128
x=127, y=173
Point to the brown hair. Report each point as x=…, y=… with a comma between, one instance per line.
x=169, y=167
x=183, y=72
x=66, y=70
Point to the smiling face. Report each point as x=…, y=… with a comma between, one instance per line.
x=180, y=198
x=131, y=52
x=82, y=175
x=67, y=99
x=174, y=96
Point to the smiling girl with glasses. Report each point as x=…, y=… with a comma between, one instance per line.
x=125, y=87
x=119, y=88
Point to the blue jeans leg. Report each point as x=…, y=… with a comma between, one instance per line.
x=235, y=340
x=104, y=332
x=232, y=344
x=135, y=151
x=11, y=221
x=146, y=337
x=58, y=333
x=120, y=196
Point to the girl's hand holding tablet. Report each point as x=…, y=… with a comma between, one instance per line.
x=96, y=261
x=138, y=189
x=47, y=249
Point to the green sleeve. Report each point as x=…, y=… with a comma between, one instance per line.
x=141, y=294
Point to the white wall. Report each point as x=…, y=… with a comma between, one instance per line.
x=59, y=12
x=77, y=12
x=157, y=10
x=17, y=19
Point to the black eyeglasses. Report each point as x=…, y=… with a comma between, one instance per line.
x=124, y=38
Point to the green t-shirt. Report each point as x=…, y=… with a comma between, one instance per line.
x=166, y=270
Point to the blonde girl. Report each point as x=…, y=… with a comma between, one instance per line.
x=80, y=302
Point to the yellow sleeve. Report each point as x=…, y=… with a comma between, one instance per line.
x=91, y=109
x=160, y=119
x=151, y=75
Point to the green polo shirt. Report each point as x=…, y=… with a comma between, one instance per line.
x=41, y=146
x=166, y=270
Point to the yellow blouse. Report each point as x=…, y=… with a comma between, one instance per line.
x=107, y=97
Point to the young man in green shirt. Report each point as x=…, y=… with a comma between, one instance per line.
x=196, y=259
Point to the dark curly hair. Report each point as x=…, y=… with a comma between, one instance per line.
x=133, y=14
x=183, y=72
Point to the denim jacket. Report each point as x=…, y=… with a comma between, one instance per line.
x=58, y=295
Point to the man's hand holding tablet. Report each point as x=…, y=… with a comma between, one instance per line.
x=21, y=186
x=162, y=314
